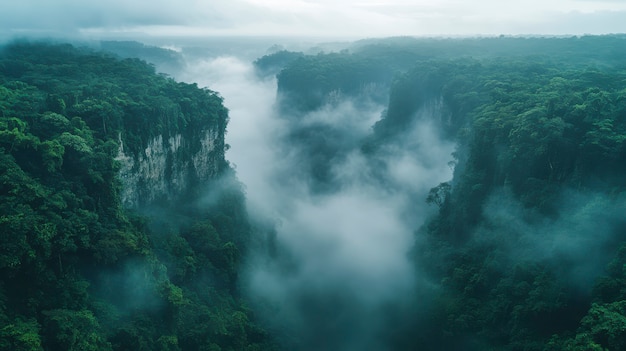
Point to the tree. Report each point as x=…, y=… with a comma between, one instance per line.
x=73, y=331
x=439, y=194
x=21, y=335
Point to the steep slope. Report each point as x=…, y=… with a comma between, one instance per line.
x=534, y=212
x=90, y=145
x=523, y=252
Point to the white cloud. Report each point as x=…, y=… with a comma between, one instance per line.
x=354, y=18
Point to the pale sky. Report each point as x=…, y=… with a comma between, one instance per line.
x=339, y=18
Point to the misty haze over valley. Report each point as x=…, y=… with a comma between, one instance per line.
x=306, y=175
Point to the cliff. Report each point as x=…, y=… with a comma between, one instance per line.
x=168, y=168
x=87, y=141
x=526, y=249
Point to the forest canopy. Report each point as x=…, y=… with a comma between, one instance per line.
x=524, y=249
x=78, y=271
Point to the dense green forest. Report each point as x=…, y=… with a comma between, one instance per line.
x=548, y=145
x=527, y=249
x=371, y=63
x=77, y=270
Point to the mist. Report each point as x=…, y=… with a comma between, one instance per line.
x=576, y=244
x=341, y=226
x=336, y=247
x=121, y=19
x=335, y=225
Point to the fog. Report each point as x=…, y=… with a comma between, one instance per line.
x=329, y=268
x=363, y=18
x=577, y=243
x=335, y=225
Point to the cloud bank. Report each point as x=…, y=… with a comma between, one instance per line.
x=355, y=18
x=337, y=260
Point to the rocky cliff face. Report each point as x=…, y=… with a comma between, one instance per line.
x=168, y=167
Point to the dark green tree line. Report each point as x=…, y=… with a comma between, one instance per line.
x=77, y=270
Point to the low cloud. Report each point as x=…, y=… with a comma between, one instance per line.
x=576, y=244
x=338, y=265
x=352, y=19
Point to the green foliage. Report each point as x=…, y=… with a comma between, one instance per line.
x=603, y=328
x=73, y=330
x=535, y=128
x=80, y=272
x=77, y=270
x=167, y=343
x=21, y=336
x=311, y=81
x=607, y=324
x=439, y=194
x=274, y=63
x=527, y=118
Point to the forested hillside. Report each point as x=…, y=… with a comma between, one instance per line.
x=535, y=211
x=432, y=194
x=368, y=64
x=79, y=271
x=526, y=250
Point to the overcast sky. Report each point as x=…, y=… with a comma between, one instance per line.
x=340, y=18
